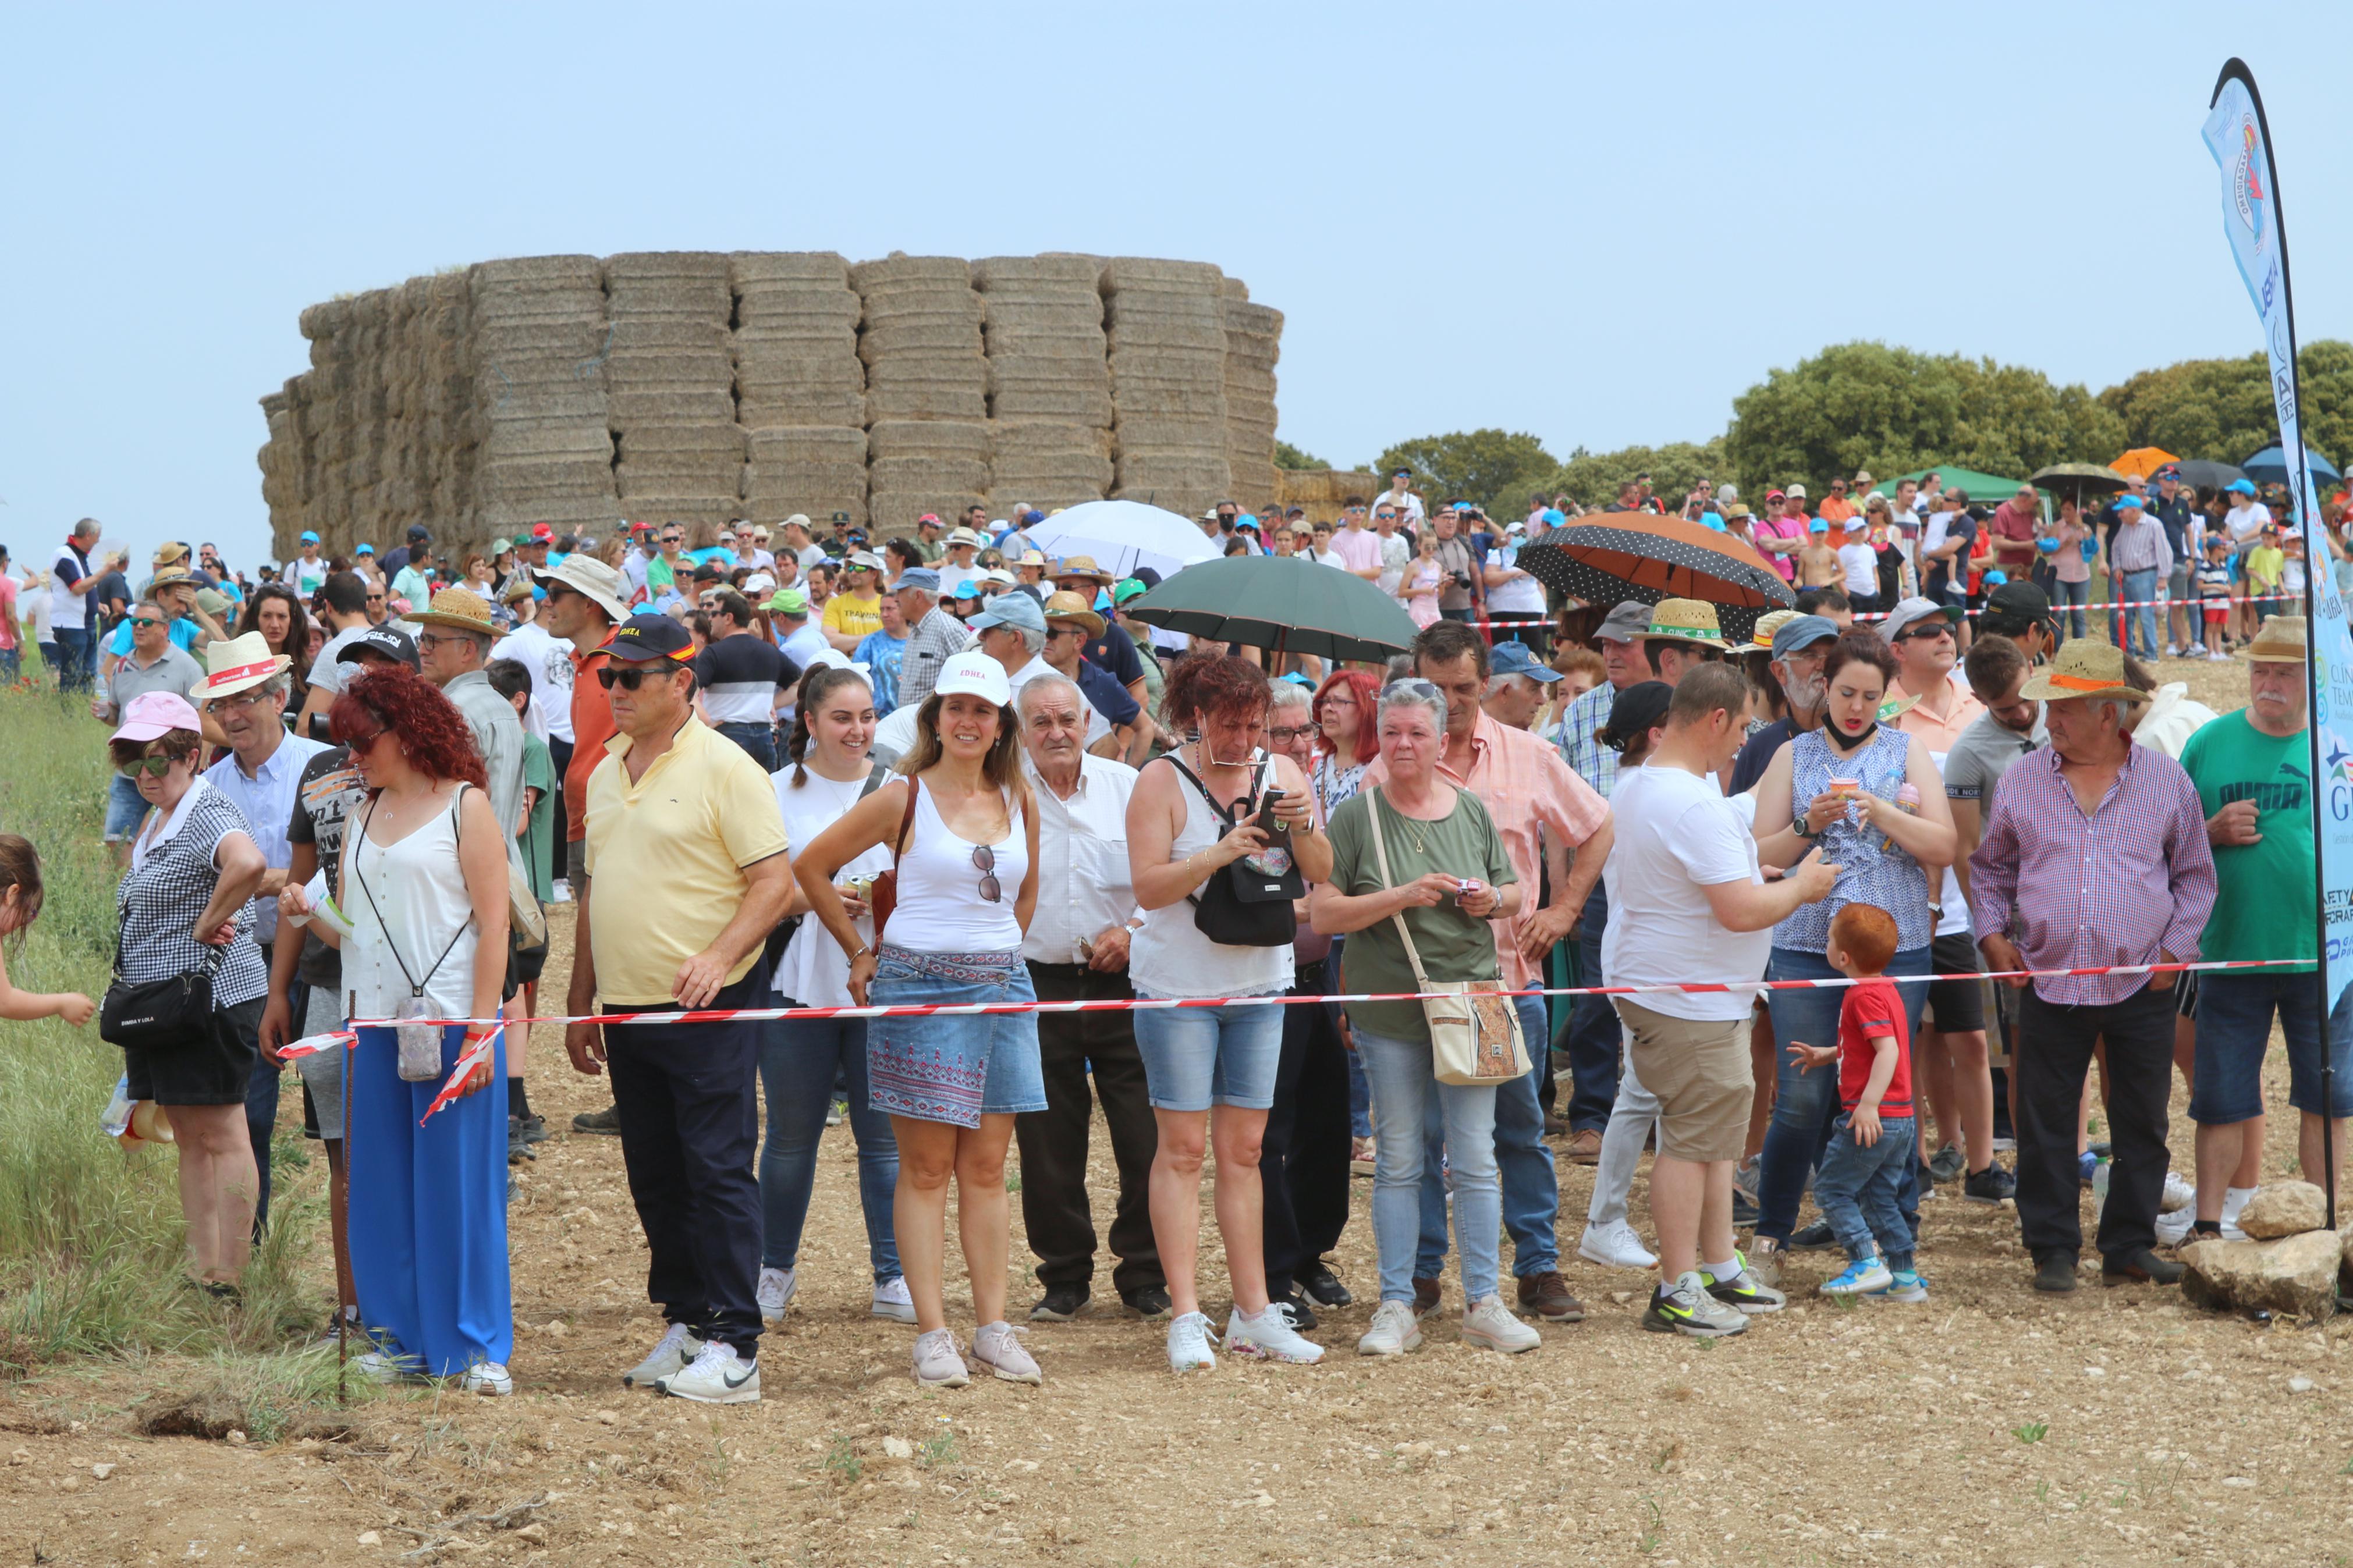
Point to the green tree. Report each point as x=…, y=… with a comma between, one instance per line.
x=1496, y=469
x=1287, y=455
x=1592, y=479
x=2221, y=408
x=1867, y=406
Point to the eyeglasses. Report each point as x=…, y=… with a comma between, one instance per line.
x=1284, y=734
x=153, y=767
x=1335, y=701
x=983, y=860
x=630, y=679
x=241, y=700
x=427, y=641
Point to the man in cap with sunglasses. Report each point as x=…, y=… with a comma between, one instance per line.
x=684, y=827
x=155, y=663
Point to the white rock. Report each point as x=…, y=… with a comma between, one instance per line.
x=102, y=1471
x=2301, y=1386
x=2096, y=1371
x=370, y=1538
x=898, y=1448
x=2238, y=1481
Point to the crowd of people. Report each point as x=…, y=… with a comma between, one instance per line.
x=789, y=773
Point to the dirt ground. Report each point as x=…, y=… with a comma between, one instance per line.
x=1990, y=1426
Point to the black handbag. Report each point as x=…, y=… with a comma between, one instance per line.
x=1240, y=907
x=158, y=1012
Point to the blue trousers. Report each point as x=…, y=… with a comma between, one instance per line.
x=1594, y=1033
x=758, y=741
x=75, y=650
x=2139, y=588
x=1859, y=1190
x=800, y=1059
x=428, y=1210
x=1530, y=1182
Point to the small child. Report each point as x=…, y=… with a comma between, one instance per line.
x=2264, y=563
x=20, y=906
x=1857, y=1185
x=2214, y=598
x=1423, y=581
x=1818, y=562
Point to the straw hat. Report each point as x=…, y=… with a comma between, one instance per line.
x=2083, y=668
x=1766, y=624
x=458, y=609
x=1074, y=608
x=1083, y=567
x=238, y=664
x=1686, y=620
x=2280, y=640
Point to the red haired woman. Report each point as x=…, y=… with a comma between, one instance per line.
x=425, y=890
x=1343, y=711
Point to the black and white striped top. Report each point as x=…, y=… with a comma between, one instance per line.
x=162, y=895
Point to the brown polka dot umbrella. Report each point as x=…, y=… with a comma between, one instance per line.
x=1611, y=556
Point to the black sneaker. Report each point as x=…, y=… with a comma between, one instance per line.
x=1151, y=1303
x=1815, y=1237
x=1322, y=1286
x=1302, y=1316
x=2055, y=1272
x=535, y=1129
x=1990, y=1185
x=1745, y=1215
x=1060, y=1304
x=606, y=1120
x=518, y=1148
x=2139, y=1265
x=1947, y=1164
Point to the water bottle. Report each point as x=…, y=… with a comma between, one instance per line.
x=2100, y=1188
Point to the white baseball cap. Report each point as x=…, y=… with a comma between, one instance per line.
x=978, y=673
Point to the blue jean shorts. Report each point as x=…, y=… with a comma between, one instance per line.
x=954, y=1068
x=126, y=808
x=1195, y=1056
x=2234, y=1032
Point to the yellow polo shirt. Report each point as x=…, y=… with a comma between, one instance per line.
x=666, y=854
x=854, y=616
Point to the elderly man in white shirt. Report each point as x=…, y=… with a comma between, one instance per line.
x=1076, y=948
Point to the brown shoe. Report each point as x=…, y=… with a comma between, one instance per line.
x=1585, y=1147
x=1547, y=1296
x=1425, y=1298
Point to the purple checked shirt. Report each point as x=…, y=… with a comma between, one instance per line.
x=2077, y=892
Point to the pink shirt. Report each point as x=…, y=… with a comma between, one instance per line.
x=7, y=613
x=1781, y=528
x=1359, y=548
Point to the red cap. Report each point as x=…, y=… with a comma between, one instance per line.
x=541, y=530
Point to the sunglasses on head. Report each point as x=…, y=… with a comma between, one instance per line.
x=629, y=680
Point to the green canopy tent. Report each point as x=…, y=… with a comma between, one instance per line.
x=1989, y=489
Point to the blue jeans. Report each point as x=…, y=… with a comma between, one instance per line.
x=126, y=808
x=2139, y=588
x=1530, y=1184
x=1806, y=1103
x=799, y=1059
x=1859, y=1190
x=1194, y=1056
x=11, y=664
x=1405, y=1092
x=74, y=650
x=758, y=741
x=2234, y=1031
x=2071, y=622
x=1594, y=1033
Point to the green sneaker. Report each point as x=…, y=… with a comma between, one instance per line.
x=1686, y=1308
x=1744, y=1290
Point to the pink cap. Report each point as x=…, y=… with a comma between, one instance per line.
x=154, y=713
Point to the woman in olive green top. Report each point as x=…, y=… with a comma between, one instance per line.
x=1449, y=877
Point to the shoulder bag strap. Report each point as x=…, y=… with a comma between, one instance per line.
x=1381, y=858
x=875, y=779
x=1216, y=810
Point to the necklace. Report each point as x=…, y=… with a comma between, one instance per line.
x=1413, y=826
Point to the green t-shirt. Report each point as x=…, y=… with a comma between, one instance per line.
x=2264, y=907
x=538, y=835
x=1453, y=946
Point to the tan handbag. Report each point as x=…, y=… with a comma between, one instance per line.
x=1475, y=1030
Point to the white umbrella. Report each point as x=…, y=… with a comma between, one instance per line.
x=1123, y=535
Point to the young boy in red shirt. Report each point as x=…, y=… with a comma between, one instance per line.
x=1872, y=1145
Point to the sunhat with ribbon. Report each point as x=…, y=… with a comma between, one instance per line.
x=2084, y=667
x=1686, y=620
x=238, y=664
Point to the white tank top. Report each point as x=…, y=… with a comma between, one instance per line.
x=939, y=909
x=1169, y=956
x=418, y=889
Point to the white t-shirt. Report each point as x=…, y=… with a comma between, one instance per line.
x=1520, y=595
x=2246, y=522
x=1862, y=564
x=70, y=602
x=305, y=577
x=806, y=644
x=1410, y=504
x=814, y=970
x=328, y=672
x=549, y=659
x=35, y=601
x=1676, y=836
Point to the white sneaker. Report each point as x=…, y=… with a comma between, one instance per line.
x=998, y=1346
x=2218, y=658
x=1491, y=1324
x=937, y=1365
x=383, y=1367
x=892, y=1300
x=716, y=1376
x=775, y=1291
x=1189, y=1336
x=1684, y=1306
x=2179, y=1194
x=2196, y=648
x=2234, y=1200
x=1393, y=1331
x=2173, y=650
x=1270, y=1337
x=1615, y=1245
x=561, y=893
x=488, y=1377
x=679, y=1346
x=2173, y=1226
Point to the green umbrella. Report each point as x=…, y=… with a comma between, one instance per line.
x=1281, y=602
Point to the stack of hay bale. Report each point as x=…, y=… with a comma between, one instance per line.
x=669, y=381
x=1253, y=339
x=921, y=345
x=1166, y=335
x=1049, y=380
x=800, y=388
x=536, y=395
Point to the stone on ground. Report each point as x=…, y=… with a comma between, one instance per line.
x=2293, y=1274
x=2283, y=1208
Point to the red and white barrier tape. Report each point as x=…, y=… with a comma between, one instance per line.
x=2056, y=609
x=347, y=1038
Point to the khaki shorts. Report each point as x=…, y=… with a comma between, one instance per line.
x=1698, y=1068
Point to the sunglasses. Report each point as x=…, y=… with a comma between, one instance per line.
x=630, y=679
x=983, y=860
x=145, y=621
x=358, y=745
x=153, y=767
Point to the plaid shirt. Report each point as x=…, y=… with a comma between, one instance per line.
x=2134, y=877
x=937, y=637
x=1594, y=763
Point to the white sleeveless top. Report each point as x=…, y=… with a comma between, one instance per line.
x=939, y=909
x=419, y=904
x=1169, y=956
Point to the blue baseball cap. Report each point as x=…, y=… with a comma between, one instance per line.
x=1551, y=518
x=310, y=538
x=921, y=577
x=1514, y=658
x=1819, y=525
x=2239, y=486
x=366, y=549
x=1017, y=610
x=2128, y=499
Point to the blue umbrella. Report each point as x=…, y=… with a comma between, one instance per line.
x=2269, y=467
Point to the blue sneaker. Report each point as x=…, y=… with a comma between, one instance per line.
x=1863, y=1278
x=1905, y=1285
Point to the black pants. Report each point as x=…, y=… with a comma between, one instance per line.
x=689, y=1127
x=1071, y=1047
x=2055, y=1053
x=1594, y=1034
x=559, y=756
x=1302, y=1160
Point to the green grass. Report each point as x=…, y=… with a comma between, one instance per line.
x=91, y=1242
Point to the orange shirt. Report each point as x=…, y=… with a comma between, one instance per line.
x=592, y=726
x=1937, y=734
x=1837, y=508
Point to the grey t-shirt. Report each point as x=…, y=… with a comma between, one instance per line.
x=175, y=672
x=1982, y=753
x=326, y=674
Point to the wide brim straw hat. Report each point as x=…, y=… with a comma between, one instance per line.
x=238, y=664
x=460, y=609
x=2084, y=667
x=2280, y=640
x=1686, y=620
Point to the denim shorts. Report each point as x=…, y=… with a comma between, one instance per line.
x=126, y=808
x=957, y=1069
x=1195, y=1056
x=2234, y=1032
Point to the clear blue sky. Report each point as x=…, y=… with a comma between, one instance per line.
x=1599, y=224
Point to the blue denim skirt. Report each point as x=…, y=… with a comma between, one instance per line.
x=954, y=1068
